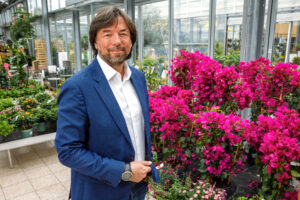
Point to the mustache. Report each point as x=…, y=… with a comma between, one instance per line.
x=121, y=48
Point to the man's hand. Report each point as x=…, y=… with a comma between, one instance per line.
x=139, y=170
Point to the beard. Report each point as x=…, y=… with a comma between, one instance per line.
x=116, y=59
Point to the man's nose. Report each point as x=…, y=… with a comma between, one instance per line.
x=116, y=39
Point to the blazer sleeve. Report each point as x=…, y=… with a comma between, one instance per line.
x=70, y=141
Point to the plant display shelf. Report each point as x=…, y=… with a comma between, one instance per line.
x=7, y=146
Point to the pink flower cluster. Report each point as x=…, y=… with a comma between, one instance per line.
x=270, y=84
x=6, y=66
x=211, y=84
x=222, y=136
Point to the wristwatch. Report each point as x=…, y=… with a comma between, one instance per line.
x=127, y=174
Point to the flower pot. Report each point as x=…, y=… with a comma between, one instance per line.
x=2, y=138
x=26, y=133
x=41, y=127
x=50, y=126
x=14, y=135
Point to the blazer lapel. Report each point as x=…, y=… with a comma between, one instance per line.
x=103, y=89
x=138, y=85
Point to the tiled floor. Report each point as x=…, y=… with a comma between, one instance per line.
x=37, y=174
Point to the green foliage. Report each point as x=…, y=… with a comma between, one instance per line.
x=296, y=60
x=27, y=103
x=151, y=67
x=21, y=25
x=297, y=47
x=42, y=97
x=25, y=119
x=232, y=59
x=5, y=127
x=254, y=197
x=5, y=103
x=219, y=49
x=24, y=90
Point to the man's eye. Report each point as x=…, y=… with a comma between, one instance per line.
x=107, y=35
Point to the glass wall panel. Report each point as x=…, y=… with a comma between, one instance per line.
x=53, y=41
x=62, y=3
x=155, y=17
x=84, y=38
x=38, y=7
x=69, y=30
x=288, y=11
x=191, y=25
x=49, y=5
x=228, y=27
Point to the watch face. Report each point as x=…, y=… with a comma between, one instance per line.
x=126, y=176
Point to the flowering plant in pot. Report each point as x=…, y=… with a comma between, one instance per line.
x=221, y=137
x=25, y=120
x=277, y=143
x=272, y=86
x=28, y=103
x=212, y=84
x=173, y=186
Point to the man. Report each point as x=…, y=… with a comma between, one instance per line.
x=103, y=128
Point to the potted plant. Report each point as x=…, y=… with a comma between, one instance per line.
x=5, y=128
x=297, y=47
x=172, y=186
x=25, y=120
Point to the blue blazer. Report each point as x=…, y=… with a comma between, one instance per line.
x=92, y=137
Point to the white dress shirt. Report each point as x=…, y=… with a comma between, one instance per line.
x=129, y=103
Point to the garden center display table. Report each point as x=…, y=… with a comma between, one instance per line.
x=25, y=142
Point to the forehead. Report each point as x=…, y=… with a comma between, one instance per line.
x=118, y=24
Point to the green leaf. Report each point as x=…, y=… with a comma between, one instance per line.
x=188, y=153
x=295, y=173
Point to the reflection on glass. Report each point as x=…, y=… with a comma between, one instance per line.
x=155, y=18
x=84, y=40
x=228, y=27
x=38, y=9
x=70, y=40
x=191, y=25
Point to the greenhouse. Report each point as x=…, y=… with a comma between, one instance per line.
x=150, y=99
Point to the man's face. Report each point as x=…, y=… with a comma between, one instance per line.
x=113, y=43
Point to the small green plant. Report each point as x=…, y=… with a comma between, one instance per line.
x=296, y=60
x=6, y=128
x=152, y=68
x=25, y=119
x=6, y=103
x=232, y=59
x=42, y=97
x=297, y=47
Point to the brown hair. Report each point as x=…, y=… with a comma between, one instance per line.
x=105, y=17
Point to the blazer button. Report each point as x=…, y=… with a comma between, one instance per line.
x=131, y=158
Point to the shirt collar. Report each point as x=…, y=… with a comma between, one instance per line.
x=110, y=72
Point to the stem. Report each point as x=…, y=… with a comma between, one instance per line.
x=281, y=93
x=234, y=161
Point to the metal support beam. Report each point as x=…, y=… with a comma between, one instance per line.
x=45, y=19
x=226, y=35
x=66, y=38
x=212, y=25
x=129, y=9
x=288, y=43
x=90, y=18
x=252, y=31
x=171, y=35
x=298, y=33
x=140, y=33
x=271, y=21
x=76, y=39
